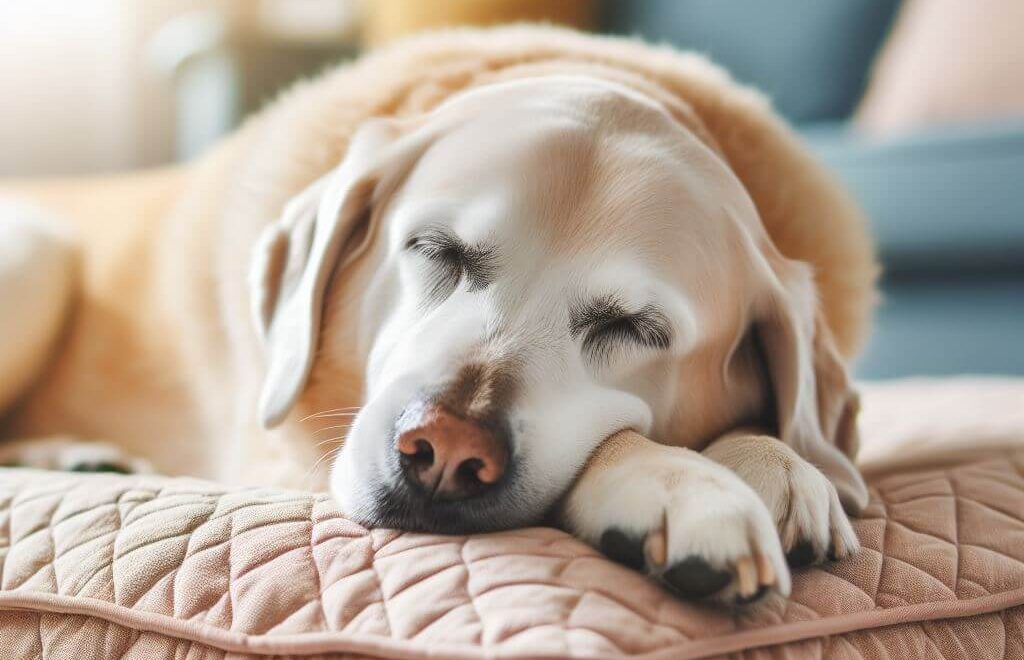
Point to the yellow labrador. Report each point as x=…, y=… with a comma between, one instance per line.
x=548, y=290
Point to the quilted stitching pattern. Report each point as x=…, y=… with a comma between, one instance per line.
x=270, y=567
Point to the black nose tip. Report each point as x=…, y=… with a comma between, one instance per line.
x=452, y=457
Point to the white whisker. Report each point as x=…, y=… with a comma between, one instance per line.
x=336, y=415
x=352, y=410
x=335, y=426
x=326, y=456
x=340, y=440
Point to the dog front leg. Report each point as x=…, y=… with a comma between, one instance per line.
x=803, y=502
x=679, y=517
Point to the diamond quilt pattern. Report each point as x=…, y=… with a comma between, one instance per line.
x=104, y=566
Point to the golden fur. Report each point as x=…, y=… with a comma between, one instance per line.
x=161, y=322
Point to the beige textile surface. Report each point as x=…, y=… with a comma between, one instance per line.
x=104, y=566
x=947, y=61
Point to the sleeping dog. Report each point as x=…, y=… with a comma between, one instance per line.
x=516, y=275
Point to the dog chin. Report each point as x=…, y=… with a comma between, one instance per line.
x=398, y=508
x=374, y=504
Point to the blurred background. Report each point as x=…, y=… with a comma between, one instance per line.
x=918, y=105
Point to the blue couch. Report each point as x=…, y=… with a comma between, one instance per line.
x=946, y=204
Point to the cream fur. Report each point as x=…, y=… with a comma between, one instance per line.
x=163, y=320
x=37, y=272
x=160, y=357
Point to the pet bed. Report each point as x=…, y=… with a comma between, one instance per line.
x=107, y=566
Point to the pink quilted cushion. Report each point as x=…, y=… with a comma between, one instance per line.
x=142, y=567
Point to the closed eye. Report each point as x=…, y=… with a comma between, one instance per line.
x=452, y=261
x=606, y=327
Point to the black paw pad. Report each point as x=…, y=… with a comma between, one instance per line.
x=624, y=548
x=802, y=554
x=99, y=466
x=695, y=578
x=752, y=598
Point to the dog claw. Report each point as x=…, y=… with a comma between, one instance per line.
x=746, y=577
x=656, y=548
x=837, y=548
x=765, y=570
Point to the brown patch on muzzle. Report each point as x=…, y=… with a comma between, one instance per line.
x=481, y=390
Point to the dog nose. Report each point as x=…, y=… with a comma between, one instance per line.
x=452, y=456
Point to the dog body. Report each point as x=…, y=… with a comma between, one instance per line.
x=524, y=240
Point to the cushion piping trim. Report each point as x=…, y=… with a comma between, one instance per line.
x=375, y=645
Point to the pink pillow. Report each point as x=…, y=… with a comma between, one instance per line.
x=948, y=60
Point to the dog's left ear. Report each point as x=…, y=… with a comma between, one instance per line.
x=816, y=405
x=321, y=230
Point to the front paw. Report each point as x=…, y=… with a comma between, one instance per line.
x=684, y=520
x=803, y=502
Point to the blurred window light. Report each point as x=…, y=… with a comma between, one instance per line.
x=310, y=19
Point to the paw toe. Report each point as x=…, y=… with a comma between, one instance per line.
x=695, y=578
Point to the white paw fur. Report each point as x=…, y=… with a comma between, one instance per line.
x=683, y=519
x=37, y=271
x=803, y=502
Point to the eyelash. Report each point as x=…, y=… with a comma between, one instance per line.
x=453, y=261
x=648, y=328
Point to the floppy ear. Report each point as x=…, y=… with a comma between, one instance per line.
x=816, y=406
x=321, y=229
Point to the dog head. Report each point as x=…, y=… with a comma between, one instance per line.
x=530, y=268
